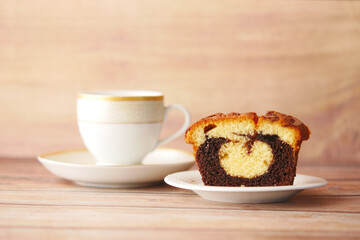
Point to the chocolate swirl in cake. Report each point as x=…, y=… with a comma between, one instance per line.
x=280, y=172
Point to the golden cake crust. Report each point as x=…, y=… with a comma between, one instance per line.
x=195, y=134
x=284, y=120
x=288, y=121
x=218, y=117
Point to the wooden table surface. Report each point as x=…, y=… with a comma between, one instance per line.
x=34, y=204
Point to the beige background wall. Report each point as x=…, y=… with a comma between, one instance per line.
x=297, y=57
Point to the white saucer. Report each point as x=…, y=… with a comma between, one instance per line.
x=191, y=180
x=79, y=166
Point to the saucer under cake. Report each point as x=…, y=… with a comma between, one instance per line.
x=80, y=167
x=191, y=180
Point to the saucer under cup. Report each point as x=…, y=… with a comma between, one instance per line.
x=80, y=167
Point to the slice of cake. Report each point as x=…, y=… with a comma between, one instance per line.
x=247, y=150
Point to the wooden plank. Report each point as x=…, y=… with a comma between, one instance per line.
x=36, y=204
x=147, y=218
x=302, y=203
x=49, y=232
x=299, y=57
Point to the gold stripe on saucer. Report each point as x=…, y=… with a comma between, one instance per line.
x=113, y=98
x=48, y=154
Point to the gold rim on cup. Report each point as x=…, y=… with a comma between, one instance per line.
x=107, y=96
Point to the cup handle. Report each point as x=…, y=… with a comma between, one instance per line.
x=181, y=130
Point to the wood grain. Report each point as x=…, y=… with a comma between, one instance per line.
x=59, y=233
x=175, y=219
x=297, y=57
x=42, y=206
x=164, y=234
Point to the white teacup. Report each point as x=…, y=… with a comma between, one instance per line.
x=122, y=127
